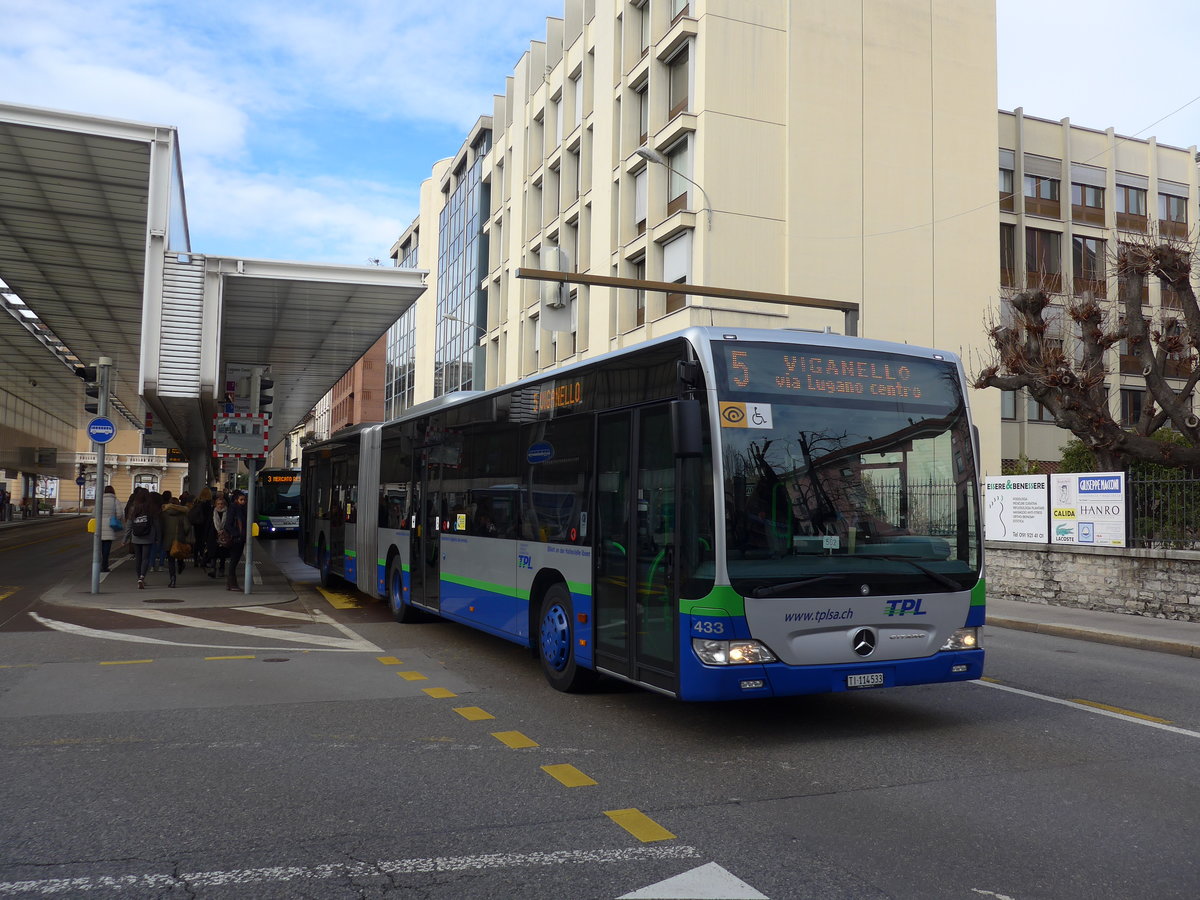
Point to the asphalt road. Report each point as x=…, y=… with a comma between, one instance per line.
x=317, y=751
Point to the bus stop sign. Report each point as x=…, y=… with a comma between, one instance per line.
x=101, y=430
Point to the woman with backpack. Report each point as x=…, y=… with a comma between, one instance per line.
x=144, y=527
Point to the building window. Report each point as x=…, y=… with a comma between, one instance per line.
x=677, y=267
x=1041, y=196
x=1087, y=259
x=679, y=76
x=1087, y=204
x=639, y=201
x=1035, y=412
x=1131, y=208
x=1132, y=401
x=1006, y=190
x=679, y=9
x=1172, y=216
x=679, y=165
x=643, y=107
x=1008, y=405
x=1008, y=255
x=1043, y=261
x=639, y=295
x=643, y=13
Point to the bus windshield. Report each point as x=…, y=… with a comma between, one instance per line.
x=278, y=494
x=845, y=472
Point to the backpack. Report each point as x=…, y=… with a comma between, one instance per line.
x=141, y=526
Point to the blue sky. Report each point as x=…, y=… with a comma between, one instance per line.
x=307, y=127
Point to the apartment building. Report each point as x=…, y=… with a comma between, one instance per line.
x=1068, y=197
x=809, y=150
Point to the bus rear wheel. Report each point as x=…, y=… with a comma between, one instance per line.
x=556, y=642
x=401, y=611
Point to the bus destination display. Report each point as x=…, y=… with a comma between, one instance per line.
x=765, y=369
x=279, y=478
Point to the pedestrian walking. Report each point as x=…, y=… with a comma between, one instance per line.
x=237, y=530
x=176, y=530
x=144, y=526
x=200, y=515
x=219, y=537
x=108, y=520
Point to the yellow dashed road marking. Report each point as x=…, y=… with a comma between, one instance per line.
x=473, y=713
x=640, y=825
x=7, y=593
x=514, y=739
x=412, y=676
x=210, y=658
x=389, y=660
x=990, y=680
x=568, y=775
x=1123, y=712
x=439, y=693
x=126, y=662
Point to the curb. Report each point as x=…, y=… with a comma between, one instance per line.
x=1157, y=645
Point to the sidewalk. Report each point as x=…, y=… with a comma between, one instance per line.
x=1140, y=632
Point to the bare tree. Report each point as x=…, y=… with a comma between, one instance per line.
x=1071, y=386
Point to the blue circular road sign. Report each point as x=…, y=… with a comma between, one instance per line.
x=101, y=430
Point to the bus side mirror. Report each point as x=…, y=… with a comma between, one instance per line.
x=686, y=434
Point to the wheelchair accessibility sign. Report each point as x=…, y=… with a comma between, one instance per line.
x=746, y=415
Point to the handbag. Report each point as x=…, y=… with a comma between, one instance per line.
x=224, y=539
x=114, y=522
x=180, y=550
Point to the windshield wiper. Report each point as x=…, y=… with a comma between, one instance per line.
x=941, y=579
x=775, y=590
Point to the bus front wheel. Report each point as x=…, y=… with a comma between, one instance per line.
x=401, y=611
x=556, y=642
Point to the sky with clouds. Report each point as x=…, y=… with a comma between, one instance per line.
x=306, y=128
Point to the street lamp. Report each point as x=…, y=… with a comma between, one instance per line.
x=655, y=157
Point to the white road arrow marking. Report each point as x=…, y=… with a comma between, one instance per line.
x=84, y=631
x=708, y=882
x=353, y=642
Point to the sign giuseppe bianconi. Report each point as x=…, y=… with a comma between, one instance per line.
x=1088, y=509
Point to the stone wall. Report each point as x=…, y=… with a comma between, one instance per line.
x=1163, y=584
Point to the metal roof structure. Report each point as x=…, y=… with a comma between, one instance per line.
x=96, y=260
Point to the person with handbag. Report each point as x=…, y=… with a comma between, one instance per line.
x=108, y=520
x=177, y=537
x=219, y=536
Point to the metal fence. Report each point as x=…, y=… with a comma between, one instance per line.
x=1164, y=513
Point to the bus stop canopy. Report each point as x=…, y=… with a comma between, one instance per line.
x=93, y=237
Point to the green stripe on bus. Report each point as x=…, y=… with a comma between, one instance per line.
x=489, y=586
x=979, y=593
x=721, y=601
x=351, y=554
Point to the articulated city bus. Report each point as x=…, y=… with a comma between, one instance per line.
x=277, y=501
x=717, y=514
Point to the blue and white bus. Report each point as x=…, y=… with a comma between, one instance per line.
x=716, y=514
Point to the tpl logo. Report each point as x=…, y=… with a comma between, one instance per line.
x=524, y=561
x=910, y=607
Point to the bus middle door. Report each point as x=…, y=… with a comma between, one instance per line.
x=636, y=609
x=426, y=555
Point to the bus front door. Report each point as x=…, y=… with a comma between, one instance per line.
x=636, y=610
x=426, y=552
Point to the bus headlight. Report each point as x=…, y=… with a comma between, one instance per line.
x=731, y=653
x=963, y=639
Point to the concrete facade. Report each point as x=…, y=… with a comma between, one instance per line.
x=1045, y=167
x=817, y=149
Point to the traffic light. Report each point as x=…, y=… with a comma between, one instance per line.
x=91, y=386
x=266, y=396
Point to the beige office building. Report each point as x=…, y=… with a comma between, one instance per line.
x=814, y=149
x=1068, y=197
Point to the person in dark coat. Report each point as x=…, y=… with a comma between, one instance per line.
x=144, y=527
x=176, y=527
x=237, y=530
x=108, y=508
x=200, y=516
